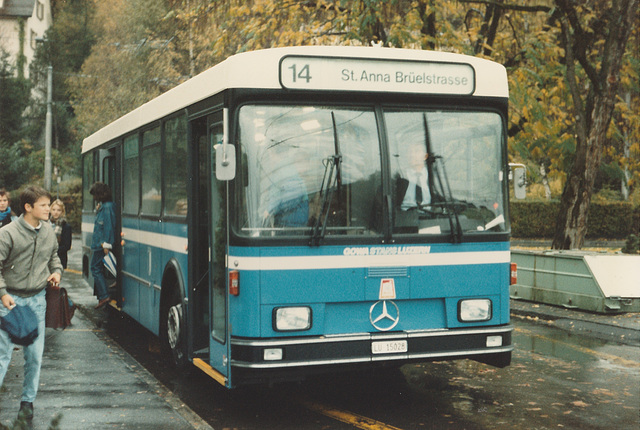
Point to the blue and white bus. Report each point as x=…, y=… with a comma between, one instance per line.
x=313, y=209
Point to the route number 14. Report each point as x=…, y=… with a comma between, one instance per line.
x=304, y=73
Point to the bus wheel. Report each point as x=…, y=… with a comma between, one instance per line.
x=174, y=341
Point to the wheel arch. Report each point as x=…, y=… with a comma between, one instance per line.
x=172, y=279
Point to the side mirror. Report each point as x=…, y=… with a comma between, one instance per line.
x=519, y=179
x=225, y=162
x=225, y=153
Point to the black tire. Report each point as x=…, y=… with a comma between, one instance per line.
x=173, y=331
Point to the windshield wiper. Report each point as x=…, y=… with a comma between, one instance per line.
x=329, y=180
x=448, y=202
x=332, y=178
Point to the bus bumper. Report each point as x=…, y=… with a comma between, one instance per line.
x=491, y=345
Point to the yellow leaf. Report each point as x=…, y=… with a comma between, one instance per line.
x=580, y=404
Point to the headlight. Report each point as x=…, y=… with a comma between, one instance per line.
x=474, y=310
x=292, y=319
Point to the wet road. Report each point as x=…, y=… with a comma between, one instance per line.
x=560, y=377
x=557, y=379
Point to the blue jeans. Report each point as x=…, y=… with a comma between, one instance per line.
x=97, y=265
x=32, y=353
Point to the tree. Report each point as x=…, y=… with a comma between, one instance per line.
x=144, y=47
x=566, y=84
x=130, y=63
x=66, y=44
x=14, y=151
x=594, y=36
x=14, y=99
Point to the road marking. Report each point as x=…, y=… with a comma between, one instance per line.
x=348, y=417
x=77, y=272
x=601, y=355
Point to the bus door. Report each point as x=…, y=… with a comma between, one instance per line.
x=198, y=311
x=207, y=310
x=110, y=175
x=220, y=346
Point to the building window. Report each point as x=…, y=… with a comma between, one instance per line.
x=39, y=10
x=33, y=41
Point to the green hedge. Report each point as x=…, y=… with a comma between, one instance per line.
x=615, y=220
x=73, y=207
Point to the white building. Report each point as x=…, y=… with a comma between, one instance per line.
x=21, y=23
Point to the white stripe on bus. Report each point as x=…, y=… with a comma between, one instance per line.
x=353, y=262
x=179, y=245
x=164, y=241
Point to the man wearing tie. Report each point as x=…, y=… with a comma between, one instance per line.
x=414, y=185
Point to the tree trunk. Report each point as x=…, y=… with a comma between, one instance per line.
x=428, y=16
x=624, y=186
x=571, y=224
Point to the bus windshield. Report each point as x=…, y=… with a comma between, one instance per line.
x=317, y=170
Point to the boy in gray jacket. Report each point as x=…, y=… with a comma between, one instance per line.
x=28, y=262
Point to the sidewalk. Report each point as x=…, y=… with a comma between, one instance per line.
x=90, y=381
x=623, y=328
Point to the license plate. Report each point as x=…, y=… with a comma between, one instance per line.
x=389, y=347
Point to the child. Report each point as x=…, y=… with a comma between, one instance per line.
x=6, y=216
x=28, y=263
x=62, y=230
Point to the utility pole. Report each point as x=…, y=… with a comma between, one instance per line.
x=48, y=132
x=48, y=138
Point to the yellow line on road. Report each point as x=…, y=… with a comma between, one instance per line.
x=601, y=355
x=77, y=272
x=348, y=417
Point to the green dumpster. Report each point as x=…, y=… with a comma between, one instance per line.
x=590, y=281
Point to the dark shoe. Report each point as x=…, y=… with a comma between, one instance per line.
x=26, y=411
x=102, y=302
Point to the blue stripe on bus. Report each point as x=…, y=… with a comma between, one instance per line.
x=340, y=298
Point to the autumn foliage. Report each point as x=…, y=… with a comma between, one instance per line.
x=556, y=53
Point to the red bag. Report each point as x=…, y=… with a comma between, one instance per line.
x=60, y=310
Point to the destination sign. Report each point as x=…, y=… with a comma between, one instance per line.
x=359, y=74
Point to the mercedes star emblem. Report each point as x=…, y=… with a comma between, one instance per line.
x=384, y=320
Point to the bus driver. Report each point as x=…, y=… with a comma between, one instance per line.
x=413, y=186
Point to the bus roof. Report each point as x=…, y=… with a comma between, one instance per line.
x=262, y=69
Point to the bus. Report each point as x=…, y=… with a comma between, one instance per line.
x=299, y=210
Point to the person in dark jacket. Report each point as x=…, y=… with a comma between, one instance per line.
x=28, y=263
x=62, y=229
x=6, y=216
x=103, y=239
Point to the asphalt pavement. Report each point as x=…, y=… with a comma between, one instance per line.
x=88, y=382
x=622, y=328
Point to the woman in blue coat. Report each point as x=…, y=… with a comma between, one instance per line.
x=103, y=239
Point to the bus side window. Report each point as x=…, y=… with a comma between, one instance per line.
x=176, y=170
x=131, y=176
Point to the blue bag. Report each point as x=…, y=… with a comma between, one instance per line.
x=21, y=323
